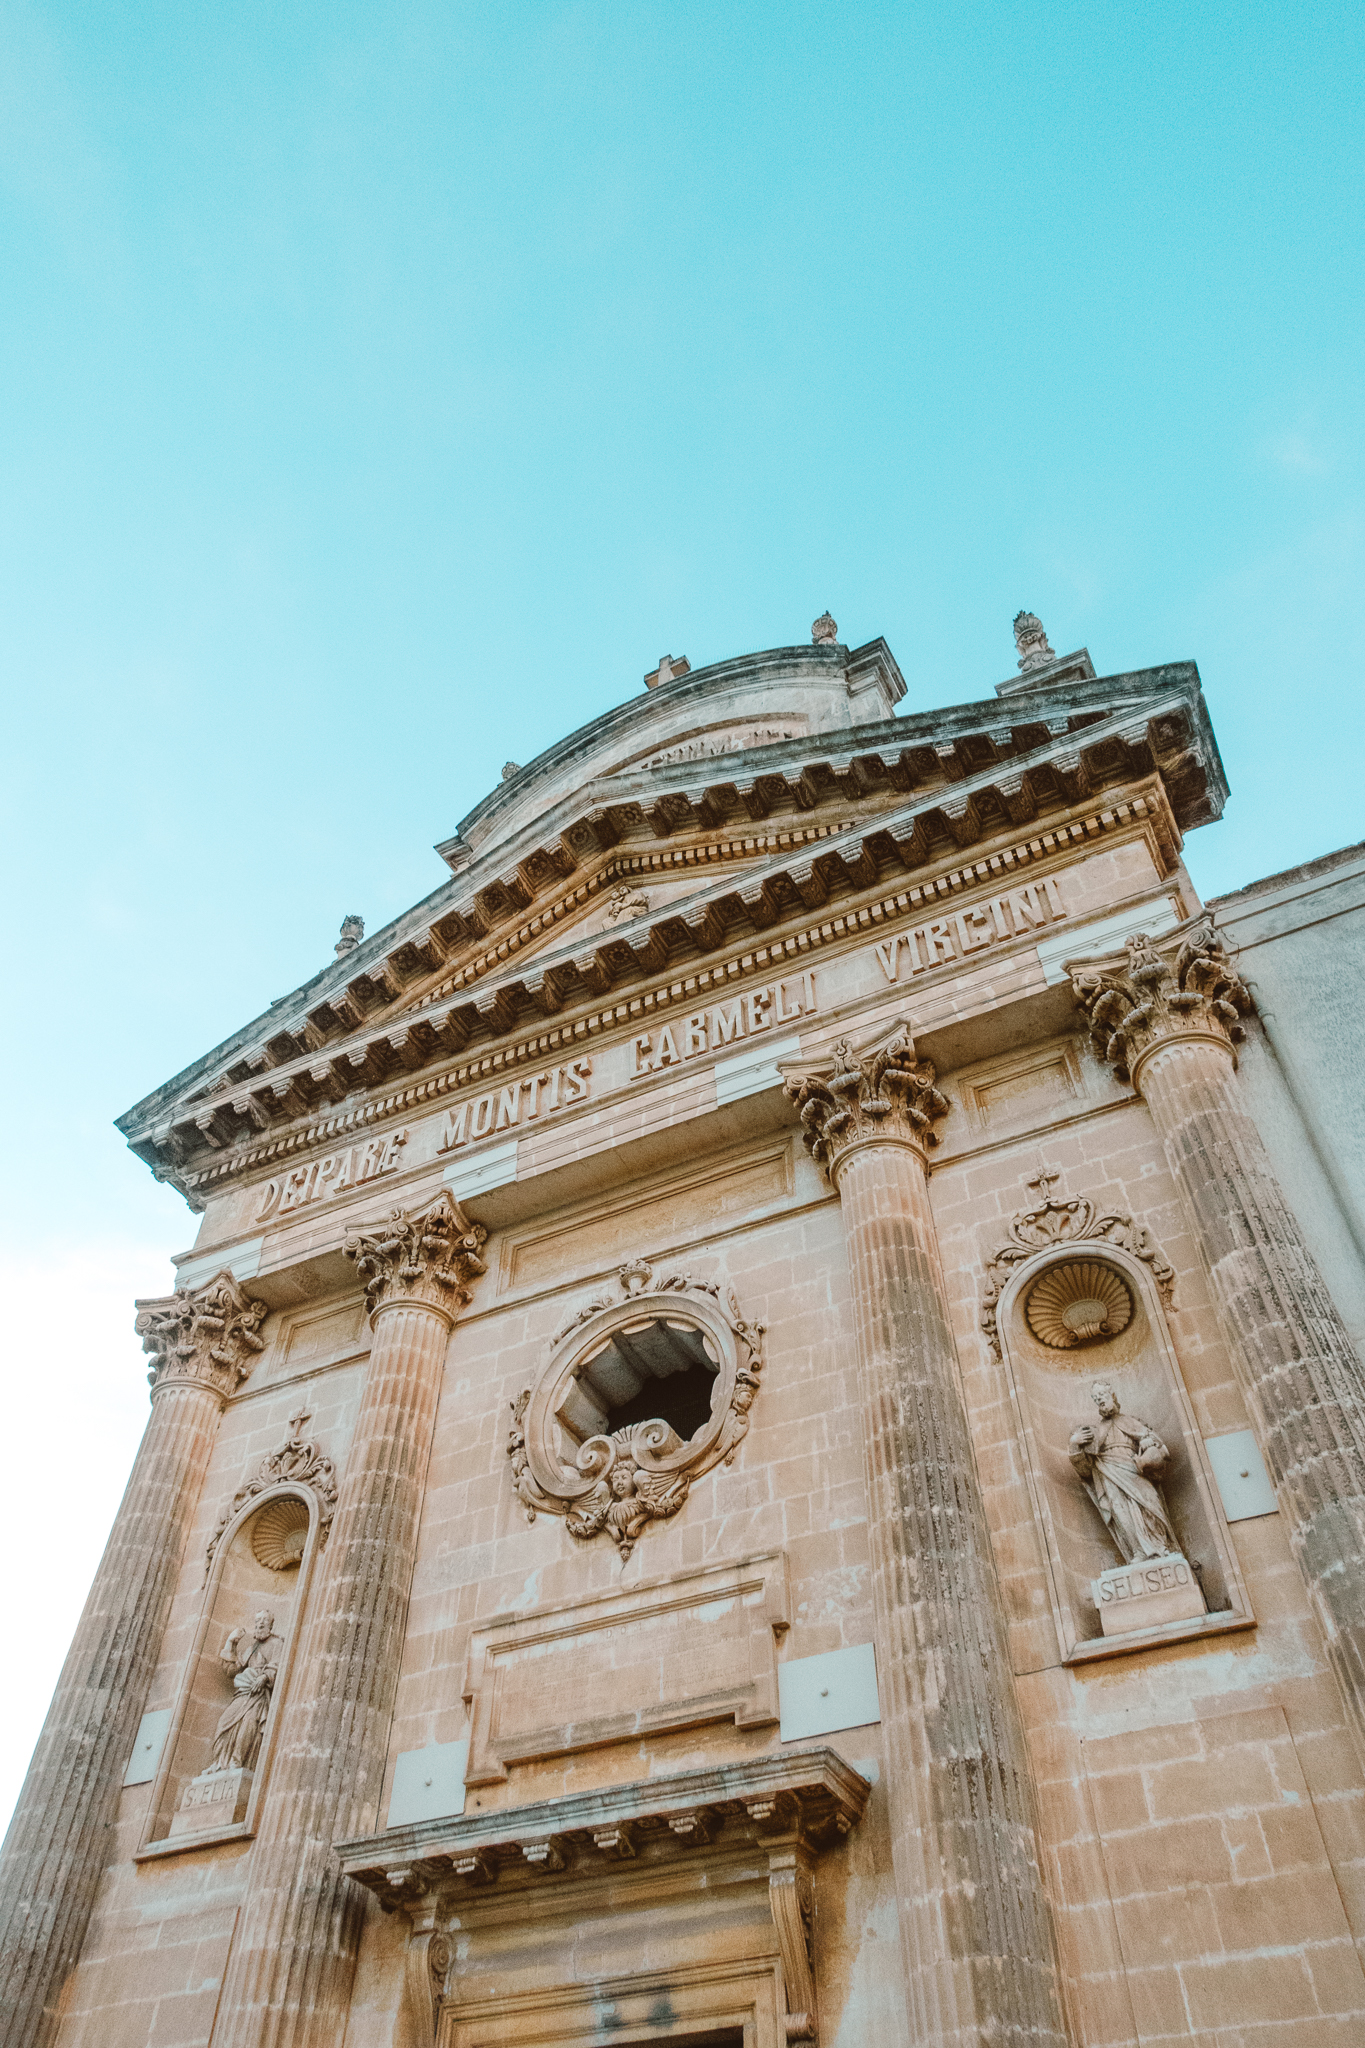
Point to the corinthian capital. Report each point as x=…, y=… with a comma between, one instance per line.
x=882, y=1095
x=1182, y=986
x=427, y=1257
x=205, y=1335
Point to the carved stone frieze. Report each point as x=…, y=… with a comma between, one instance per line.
x=1180, y=986
x=883, y=1094
x=202, y=1335
x=298, y=1462
x=618, y=1480
x=426, y=1257
x=1059, y=1220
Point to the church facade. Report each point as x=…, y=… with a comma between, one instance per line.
x=763, y=1439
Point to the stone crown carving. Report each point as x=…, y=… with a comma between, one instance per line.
x=207, y=1336
x=883, y=1093
x=618, y=1481
x=1057, y=1221
x=427, y=1257
x=1165, y=988
x=298, y=1462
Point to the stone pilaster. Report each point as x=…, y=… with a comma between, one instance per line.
x=975, y=1920
x=289, y=1974
x=202, y=1344
x=1168, y=1017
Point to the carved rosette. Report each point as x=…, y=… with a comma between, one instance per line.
x=201, y=1336
x=426, y=1258
x=883, y=1095
x=621, y=1480
x=1059, y=1221
x=1180, y=986
x=298, y=1462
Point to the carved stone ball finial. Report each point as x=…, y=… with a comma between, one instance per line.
x=428, y=1258
x=885, y=1092
x=1032, y=641
x=205, y=1335
x=510, y=769
x=352, y=932
x=824, y=632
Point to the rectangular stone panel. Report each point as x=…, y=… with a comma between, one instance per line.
x=657, y=1218
x=696, y=1646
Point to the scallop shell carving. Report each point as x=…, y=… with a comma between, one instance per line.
x=279, y=1533
x=1074, y=1303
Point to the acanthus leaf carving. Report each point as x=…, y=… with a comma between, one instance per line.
x=621, y=1480
x=1184, y=983
x=206, y=1335
x=885, y=1092
x=427, y=1257
x=1060, y=1220
x=298, y=1462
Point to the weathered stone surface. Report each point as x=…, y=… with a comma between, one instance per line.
x=202, y=1344
x=974, y=1913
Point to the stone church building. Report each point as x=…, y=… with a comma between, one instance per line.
x=763, y=1439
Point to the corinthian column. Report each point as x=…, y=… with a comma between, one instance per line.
x=974, y=1918
x=1167, y=1017
x=289, y=1974
x=203, y=1344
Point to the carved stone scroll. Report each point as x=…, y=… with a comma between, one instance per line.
x=791, y=1895
x=624, y=1478
x=208, y=1335
x=426, y=1965
x=883, y=1095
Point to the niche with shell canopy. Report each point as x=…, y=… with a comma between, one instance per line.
x=216, y=1760
x=1076, y=1298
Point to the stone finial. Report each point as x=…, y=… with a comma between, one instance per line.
x=885, y=1093
x=668, y=670
x=1032, y=641
x=352, y=932
x=824, y=632
x=509, y=769
x=1176, y=986
x=427, y=1258
x=206, y=1335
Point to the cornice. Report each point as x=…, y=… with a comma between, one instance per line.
x=377, y=1011
x=1144, y=809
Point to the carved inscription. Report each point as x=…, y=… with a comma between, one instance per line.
x=725, y=1025
x=958, y=934
x=520, y=1102
x=333, y=1175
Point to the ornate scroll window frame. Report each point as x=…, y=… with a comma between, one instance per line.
x=664, y=1467
x=1132, y=1253
x=319, y=1501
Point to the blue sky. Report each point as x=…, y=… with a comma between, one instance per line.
x=388, y=386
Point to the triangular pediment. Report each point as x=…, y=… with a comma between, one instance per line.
x=707, y=849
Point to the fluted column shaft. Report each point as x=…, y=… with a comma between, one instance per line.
x=1167, y=1015
x=1299, y=1370
x=289, y=1974
x=58, y=1840
x=975, y=1920
x=974, y=1915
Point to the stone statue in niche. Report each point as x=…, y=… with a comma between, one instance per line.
x=251, y=1661
x=218, y=1797
x=1120, y=1462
